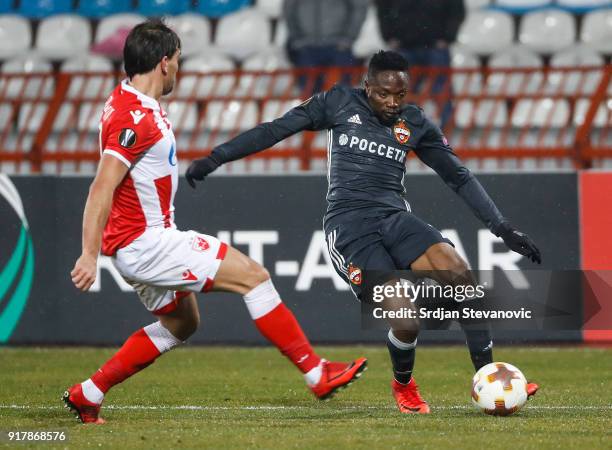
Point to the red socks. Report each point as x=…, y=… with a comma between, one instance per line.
x=281, y=328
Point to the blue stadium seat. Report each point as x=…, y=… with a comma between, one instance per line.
x=156, y=8
x=6, y=6
x=102, y=8
x=218, y=8
x=37, y=9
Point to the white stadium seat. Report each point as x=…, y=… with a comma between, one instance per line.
x=476, y=4
x=194, y=31
x=231, y=115
x=264, y=85
x=93, y=86
x=486, y=31
x=243, y=33
x=34, y=87
x=574, y=82
x=369, y=39
x=276, y=108
x=486, y=113
x=183, y=115
x=514, y=83
x=596, y=30
x=63, y=35
x=111, y=24
x=271, y=8
x=281, y=34
x=15, y=36
x=31, y=116
x=204, y=86
x=603, y=116
x=547, y=31
x=465, y=83
x=539, y=113
x=89, y=116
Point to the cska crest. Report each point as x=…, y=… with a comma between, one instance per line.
x=354, y=274
x=401, y=132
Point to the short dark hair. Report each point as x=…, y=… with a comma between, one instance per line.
x=384, y=60
x=146, y=46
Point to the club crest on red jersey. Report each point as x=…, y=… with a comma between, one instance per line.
x=127, y=138
x=200, y=244
x=401, y=132
x=354, y=274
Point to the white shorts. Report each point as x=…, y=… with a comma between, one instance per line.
x=165, y=264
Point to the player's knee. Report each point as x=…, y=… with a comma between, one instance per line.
x=257, y=274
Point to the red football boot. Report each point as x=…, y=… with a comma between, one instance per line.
x=408, y=399
x=337, y=376
x=86, y=411
x=532, y=388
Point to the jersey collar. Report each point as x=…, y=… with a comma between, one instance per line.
x=147, y=102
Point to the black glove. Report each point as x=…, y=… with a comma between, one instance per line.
x=519, y=242
x=200, y=168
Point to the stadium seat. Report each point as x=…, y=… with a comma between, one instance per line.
x=38, y=9
x=194, y=31
x=271, y=8
x=31, y=116
x=91, y=86
x=203, y=86
x=63, y=35
x=582, y=6
x=465, y=82
x=231, y=115
x=539, y=113
x=218, y=8
x=485, y=113
x=486, y=31
x=522, y=6
x=263, y=85
x=183, y=115
x=281, y=34
x=514, y=83
x=369, y=39
x=158, y=8
x=109, y=26
x=476, y=4
x=275, y=108
x=89, y=116
x=15, y=36
x=32, y=87
x=242, y=33
x=603, y=116
x=547, y=31
x=574, y=82
x=96, y=9
x=597, y=30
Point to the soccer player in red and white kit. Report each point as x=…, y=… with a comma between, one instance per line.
x=129, y=216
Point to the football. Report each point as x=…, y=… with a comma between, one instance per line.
x=499, y=389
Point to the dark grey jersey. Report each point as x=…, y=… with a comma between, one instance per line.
x=366, y=159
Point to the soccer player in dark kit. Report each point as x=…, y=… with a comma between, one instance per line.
x=368, y=224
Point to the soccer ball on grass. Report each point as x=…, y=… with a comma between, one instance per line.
x=499, y=389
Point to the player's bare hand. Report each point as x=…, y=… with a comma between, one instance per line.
x=200, y=168
x=84, y=272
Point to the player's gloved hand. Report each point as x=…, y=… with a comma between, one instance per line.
x=200, y=168
x=519, y=242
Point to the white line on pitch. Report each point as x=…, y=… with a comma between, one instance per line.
x=276, y=408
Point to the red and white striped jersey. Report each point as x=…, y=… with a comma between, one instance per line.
x=134, y=129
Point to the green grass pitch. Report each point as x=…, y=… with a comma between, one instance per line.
x=220, y=397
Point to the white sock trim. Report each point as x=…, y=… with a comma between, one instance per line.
x=313, y=376
x=161, y=337
x=399, y=344
x=262, y=299
x=92, y=392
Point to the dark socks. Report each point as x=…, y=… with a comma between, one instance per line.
x=480, y=344
x=402, y=357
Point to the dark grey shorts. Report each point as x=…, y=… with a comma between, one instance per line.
x=388, y=243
